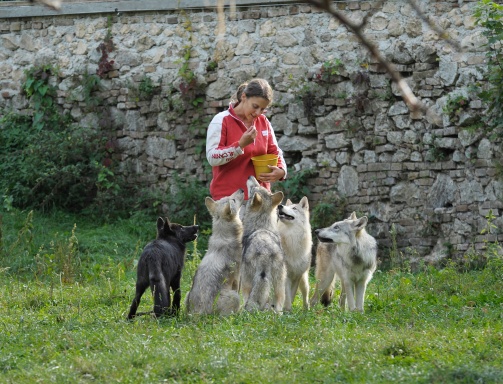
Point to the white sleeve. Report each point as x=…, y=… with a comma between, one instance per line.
x=215, y=154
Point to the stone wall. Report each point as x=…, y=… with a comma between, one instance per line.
x=425, y=174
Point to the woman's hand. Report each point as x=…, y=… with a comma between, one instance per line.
x=275, y=175
x=248, y=137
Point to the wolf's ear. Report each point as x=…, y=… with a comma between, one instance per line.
x=234, y=207
x=228, y=211
x=288, y=202
x=256, y=201
x=353, y=216
x=160, y=225
x=277, y=198
x=361, y=223
x=304, y=203
x=210, y=204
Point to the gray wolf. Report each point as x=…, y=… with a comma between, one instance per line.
x=263, y=265
x=347, y=251
x=160, y=267
x=296, y=241
x=216, y=282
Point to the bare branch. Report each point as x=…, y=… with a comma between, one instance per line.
x=370, y=13
x=53, y=4
x=443, y=34
x=410, y=99
x=221, y=17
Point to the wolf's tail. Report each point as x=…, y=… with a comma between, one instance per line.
x=228, y=302
x=199, y=301
x=259, y=294
x=328, y=295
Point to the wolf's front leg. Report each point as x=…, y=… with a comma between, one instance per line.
x=279, y=299
x=342, y=297
x=288, y=296
x=304, y=289
x=349, y=289
x=279, y=290
x=360, y=288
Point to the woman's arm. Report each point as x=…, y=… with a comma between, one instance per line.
x=273, y=147
x=217, y=153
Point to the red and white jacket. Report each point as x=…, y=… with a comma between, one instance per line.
x=230, y=164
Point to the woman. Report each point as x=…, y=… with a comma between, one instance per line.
x=236, y=135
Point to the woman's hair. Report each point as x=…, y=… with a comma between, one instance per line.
x=255, y=88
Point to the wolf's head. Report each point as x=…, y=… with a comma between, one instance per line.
x=342, y=232
x=289, y=213
x=167, y=230
x=260, y=199
x=226, y=208
x=251, y=185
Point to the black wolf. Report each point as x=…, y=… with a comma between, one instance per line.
x=160, y=267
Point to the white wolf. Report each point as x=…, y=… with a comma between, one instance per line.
x=296, y=240
x=263, y=265
x=348, y=251
x=216, y=282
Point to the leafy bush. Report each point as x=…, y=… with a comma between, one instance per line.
x=48, y=161
x=56, y=166
x=184, y=204
x=489, y=15
x=330, y=209
x=295, y=185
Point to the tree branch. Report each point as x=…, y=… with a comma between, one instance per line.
x=410, y=99
x=53, y=4
x=444, y=35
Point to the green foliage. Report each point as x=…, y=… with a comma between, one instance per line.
x=60, y=259
x=105, y=65
x=211, y=66
x=492, y=254
x=436, y=153
x=37, y=86
x=41, y=92
x=197, y=101
x=489, y=15
x=50, y=167
x=19, y=241
x=184, y=71
x=146, y=88
x=382, y=94
x=396, y=258
x=295, y=186
x=185, y=203
x=90, y=84
x=47, y=161
x=329, y=70
x=328, y=210
x=305, y=92
x=454, y=106
x=191, y=91
x=187, y=200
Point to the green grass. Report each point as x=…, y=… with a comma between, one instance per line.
x=436, y=326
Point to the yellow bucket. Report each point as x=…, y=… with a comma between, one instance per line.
x=260, y=163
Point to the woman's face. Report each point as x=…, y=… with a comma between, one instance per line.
x=253, y=106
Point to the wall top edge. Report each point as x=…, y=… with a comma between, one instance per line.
x=25, y=9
